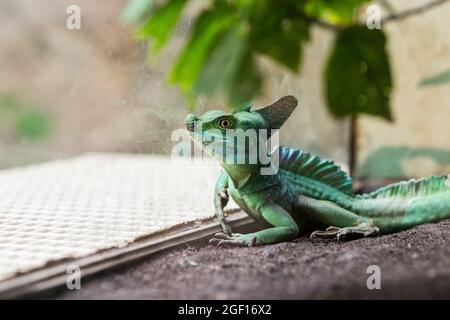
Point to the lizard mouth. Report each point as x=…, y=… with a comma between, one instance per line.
x=207, y=142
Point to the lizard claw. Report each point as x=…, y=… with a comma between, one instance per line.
x=223, y=242
x=329, y=233
x=236, y=239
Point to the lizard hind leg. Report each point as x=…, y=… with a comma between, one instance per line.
x=344, y=224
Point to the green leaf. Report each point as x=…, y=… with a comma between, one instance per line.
x=436, y=80
x=278, y=33
x=160, y=25
x=210, y=28
x=358, y=75
x=223, y=63
x=29, y=122
x=218, y=57
x=135, y=11
x=334, y=11
x=32, y=125
x=283, y=42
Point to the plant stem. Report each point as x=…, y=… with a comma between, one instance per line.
x=391, y=17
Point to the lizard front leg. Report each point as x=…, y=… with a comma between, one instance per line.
x=284, y=229
x=343, y=224
x=220, y=201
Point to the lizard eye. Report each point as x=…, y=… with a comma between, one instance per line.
x=225, y=123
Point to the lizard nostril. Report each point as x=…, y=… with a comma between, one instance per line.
x=189, y=121
x=190, y=126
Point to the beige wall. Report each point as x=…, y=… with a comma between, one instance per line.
x=93, y=83
x=417, y=143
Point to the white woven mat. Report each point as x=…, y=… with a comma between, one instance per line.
x=76, y=207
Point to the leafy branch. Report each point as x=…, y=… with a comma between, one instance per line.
x=228, y=36
x=390, y=18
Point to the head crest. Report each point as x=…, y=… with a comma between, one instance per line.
x=278, y=112
x=246, y=106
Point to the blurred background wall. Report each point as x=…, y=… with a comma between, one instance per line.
x=65, y=92
x=95, y=91
x=417, y=143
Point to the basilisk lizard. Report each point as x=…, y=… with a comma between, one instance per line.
x=307, y=192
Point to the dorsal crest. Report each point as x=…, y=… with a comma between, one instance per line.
x=412, y=188
x=315, y=168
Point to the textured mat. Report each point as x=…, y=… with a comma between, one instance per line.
x=77, y=207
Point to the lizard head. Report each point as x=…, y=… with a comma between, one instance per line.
x=220, y=133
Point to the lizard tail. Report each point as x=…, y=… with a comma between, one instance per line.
x=407, y=204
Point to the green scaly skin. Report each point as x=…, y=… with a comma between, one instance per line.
x=306, y=193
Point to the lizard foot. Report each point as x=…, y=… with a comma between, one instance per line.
x=236, y=239
x=347, y=233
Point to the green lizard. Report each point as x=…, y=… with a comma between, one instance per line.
x=306, y=193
